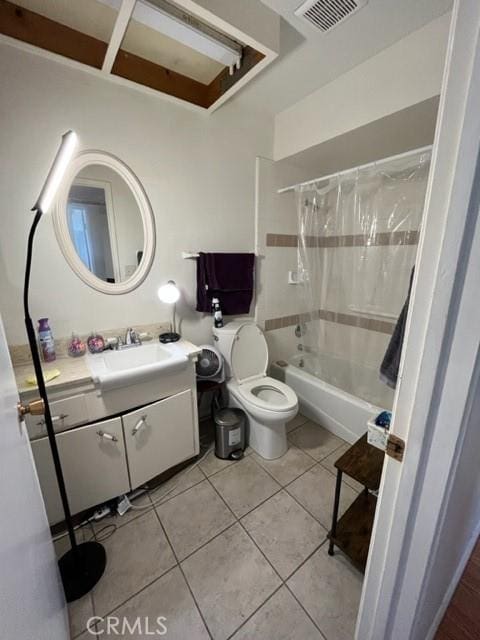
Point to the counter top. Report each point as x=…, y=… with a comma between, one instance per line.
x=74, y=372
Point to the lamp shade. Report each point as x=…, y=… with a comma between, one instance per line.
x=169, y=292
x=57, y=171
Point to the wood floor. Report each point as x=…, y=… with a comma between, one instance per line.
x=462, y=618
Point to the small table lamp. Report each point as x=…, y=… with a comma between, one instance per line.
x=170, y=294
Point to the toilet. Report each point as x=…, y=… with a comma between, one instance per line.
x=268, y=403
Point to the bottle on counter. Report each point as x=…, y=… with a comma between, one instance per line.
x=95, y=343
x=76, y=346
x=47, y=343
x=217, y=313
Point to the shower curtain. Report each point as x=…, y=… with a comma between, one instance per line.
x=357, y=240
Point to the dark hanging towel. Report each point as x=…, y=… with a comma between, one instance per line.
x=228, y=277
x=391, y=361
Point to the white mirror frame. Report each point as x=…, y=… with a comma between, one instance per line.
x=62, y=232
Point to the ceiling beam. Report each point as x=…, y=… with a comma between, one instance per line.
x=132, y=67
x=118, y=33
x=33, y=28
x=48, y=34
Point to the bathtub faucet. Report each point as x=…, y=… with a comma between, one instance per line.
x=300, y=330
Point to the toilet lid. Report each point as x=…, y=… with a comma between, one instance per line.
x=249, y=355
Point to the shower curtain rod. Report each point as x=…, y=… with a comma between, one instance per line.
x=363, y=166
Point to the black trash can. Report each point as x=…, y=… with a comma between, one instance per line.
x=230, y=433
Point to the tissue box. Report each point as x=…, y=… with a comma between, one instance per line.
x=376, y=435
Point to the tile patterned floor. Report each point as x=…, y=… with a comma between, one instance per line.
x=235, y=551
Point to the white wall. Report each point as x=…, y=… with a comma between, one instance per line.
x=276, y=214
x=408, y=72
x=198, y=171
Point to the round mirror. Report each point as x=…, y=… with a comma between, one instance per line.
x=104, y=223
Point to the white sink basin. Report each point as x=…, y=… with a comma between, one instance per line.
x=113, y=369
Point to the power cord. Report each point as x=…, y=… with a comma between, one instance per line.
x=113, y=527
x=99, y=536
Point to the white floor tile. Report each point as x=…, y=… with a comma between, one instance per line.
x=329, y=588
x=230, y=579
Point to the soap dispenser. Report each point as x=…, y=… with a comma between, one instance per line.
x=47, y=343
x=217, y=313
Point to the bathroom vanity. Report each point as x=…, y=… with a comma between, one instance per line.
x=113, y=439
x=127, y=414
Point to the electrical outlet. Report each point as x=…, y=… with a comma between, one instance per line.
x=100, y=513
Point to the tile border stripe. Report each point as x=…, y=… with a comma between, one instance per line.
x=370, y=324
x=383, y=239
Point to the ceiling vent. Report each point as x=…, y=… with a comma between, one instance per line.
x=327, y=14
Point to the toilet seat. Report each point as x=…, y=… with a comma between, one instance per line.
x=249, y=361
x=267, y=393
x=249, y=354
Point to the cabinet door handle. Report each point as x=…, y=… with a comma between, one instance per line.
x=141, y=423
x=107, y=436
x=62, y=416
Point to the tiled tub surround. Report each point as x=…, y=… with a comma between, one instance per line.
x=346, y=326
x=347, y=329
x=356, y=243
x=348, y=319
x=382, y=239
x=357, y=251
x=236, y=551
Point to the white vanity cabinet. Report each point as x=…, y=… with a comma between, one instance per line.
x=108, y=457
x=66, y=413
x=94, y=467
x=159, y=436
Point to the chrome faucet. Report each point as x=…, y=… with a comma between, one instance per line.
x=132, y=339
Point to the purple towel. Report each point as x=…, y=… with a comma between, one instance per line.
x=228, y=277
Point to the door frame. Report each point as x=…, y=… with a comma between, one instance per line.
x=111, y=222
x=438, y=368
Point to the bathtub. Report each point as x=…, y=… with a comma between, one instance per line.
x=342, y=396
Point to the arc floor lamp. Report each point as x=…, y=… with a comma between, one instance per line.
x=83, y=565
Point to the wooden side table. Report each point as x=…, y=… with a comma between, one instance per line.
x=353, y=531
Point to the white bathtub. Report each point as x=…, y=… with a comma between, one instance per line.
x=340, y=395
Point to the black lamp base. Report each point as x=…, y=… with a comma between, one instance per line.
x=170, y=336
x=81, y=569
